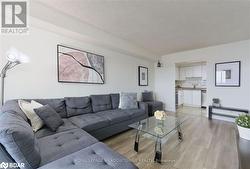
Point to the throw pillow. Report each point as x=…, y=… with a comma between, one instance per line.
x=147, y=97
x=50, y=117
x=28, y=109
x=115, y=99
x=128, y=101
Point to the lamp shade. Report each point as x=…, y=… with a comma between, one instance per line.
x=13, y=55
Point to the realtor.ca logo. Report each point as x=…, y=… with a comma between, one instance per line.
x=14, y=17
x=11, y=165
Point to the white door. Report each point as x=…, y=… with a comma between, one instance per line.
x=196, y=98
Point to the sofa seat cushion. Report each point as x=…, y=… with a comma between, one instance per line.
x=77, y=106
x=135, y=112
x=45, y=131
x=89, y=122
x=96, y=156
x=101, y=102
x=114, y=116
x=61, y=144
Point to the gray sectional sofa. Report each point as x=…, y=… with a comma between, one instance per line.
x=75, y=144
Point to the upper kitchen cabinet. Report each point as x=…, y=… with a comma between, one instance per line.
x=189, y=71
x=177, y=73
x=182, y=75
x=197, y=71
x=204, y=72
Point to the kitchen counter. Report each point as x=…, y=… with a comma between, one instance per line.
x=190, y=88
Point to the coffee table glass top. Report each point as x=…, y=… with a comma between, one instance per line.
x=159, y=128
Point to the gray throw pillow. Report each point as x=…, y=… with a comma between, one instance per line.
x=50, y=117
x=128, y=101
x=147, y=97
x=115, y=99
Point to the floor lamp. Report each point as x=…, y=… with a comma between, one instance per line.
x=14, y=57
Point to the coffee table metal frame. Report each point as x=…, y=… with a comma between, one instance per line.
x=158, y=141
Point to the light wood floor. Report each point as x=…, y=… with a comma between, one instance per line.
x=206, y=145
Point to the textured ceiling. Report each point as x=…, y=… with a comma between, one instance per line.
x=164, y=26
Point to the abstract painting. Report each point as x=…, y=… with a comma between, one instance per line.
x=78, y=66
x=227, y=74
x=143, y=76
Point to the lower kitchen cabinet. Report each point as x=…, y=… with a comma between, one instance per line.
x=192, y=98
x=188, y=97
x=180, y=97
x=197, y=98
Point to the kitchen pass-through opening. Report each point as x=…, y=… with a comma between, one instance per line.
x=191, y=87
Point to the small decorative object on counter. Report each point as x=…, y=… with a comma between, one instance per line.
x=216, y=102
x=160, y=115
x=243, y=124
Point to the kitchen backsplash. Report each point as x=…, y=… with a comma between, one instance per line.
x=191, y=82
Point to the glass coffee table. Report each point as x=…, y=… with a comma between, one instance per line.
x=158, y=129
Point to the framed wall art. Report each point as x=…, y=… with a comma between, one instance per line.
x=78, y=66
x=228, y=74
x=142, y=76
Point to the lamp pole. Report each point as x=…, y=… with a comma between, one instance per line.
x=8, y=66
x=2, y=90
x=14, y=58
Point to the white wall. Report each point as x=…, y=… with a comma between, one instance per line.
x=238, y=97
x=38, y=79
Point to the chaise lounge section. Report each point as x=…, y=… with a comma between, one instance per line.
x=75, y=144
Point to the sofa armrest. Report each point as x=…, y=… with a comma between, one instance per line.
x=143, y=106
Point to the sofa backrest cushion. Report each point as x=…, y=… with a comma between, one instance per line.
x=77, y=105
x=18, y=139
x=57, y=104
x=100, y=102
x=115, y=99
x=12, y=105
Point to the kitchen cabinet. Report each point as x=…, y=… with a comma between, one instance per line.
x=177, y=73
x=192, y=98
x=204, y=72
x=196, y=98
x=197, y=71
x=180, y=97
x=188, y=97
x=188, y=72
x=182, y=71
